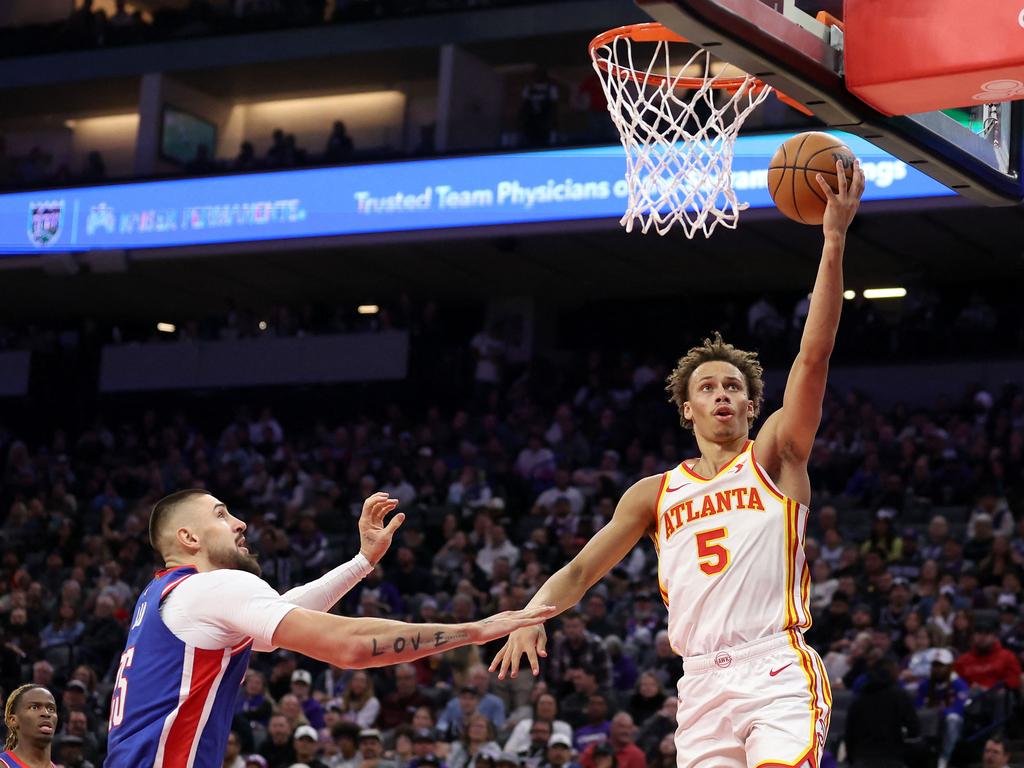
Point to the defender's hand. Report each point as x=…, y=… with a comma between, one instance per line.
x=842, y=205
x=374, y=536
x=532, y=641
x=501, y=624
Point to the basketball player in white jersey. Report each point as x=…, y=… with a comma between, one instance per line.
x=729, y=528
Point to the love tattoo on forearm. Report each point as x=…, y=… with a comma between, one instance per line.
x=380, y=646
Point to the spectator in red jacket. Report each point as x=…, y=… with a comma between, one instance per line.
x=991, y=671
x=627, y=754
x=988, y=663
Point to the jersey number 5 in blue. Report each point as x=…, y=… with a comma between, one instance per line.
x=120, y=693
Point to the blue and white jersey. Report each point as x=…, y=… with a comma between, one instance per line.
x=172, y=702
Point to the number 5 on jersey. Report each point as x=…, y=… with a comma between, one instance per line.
x=120, y=693
x=712, y=557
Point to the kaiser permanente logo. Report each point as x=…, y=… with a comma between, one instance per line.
x=45, y=221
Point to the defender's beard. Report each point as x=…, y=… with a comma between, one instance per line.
x=235, y=560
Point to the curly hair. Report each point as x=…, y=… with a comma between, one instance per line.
x=678, y=382
x=12, y=704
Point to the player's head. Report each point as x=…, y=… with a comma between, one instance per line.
x=718, y=389
x=31, y=715
x=193, y=525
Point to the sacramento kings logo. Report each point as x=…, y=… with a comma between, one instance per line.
x=45, y=220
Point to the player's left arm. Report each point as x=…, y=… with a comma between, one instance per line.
x=374, y=540
x=785, y=440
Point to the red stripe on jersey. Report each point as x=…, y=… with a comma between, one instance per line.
x=206, y=666
x=173, y=584
x=5, y=756
x=241, y=646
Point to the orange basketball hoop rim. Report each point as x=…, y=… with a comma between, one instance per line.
x=652, y=32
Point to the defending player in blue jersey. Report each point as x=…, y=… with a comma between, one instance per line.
x=196, y=623
x=31, y=717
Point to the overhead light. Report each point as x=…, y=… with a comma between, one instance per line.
x=884, y=293
x=263, y=325
x=367, y=309
x=848, y=295
x=166, y=327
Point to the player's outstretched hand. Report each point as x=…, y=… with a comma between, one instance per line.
x=842, y=205
x=532, y=641
x=374, y=536
x=506, y=622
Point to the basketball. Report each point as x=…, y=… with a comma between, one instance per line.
x=792, y=171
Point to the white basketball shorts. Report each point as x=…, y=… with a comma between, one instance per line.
x=763, y=704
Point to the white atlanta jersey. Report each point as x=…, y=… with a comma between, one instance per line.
x=731, y=560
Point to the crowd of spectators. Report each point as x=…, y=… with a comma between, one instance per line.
x=933, y=322
x=916, y=553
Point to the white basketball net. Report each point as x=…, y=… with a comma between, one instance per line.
x=679, y=143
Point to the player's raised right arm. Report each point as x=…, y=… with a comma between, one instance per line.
x=358, y=643
x=634, y=516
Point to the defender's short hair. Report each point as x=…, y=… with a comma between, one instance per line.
x=163, y=510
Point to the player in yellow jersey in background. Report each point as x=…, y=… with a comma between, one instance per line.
x=729, y=528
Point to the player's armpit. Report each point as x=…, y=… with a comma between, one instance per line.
x=634, y=515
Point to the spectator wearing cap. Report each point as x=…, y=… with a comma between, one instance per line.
x=541, y=732
x=306, y=745
x=621, y=740
x=893, y=615
x=399, y=706
x=256, y=761
x=358, y=703
x=278, y=750
x=1011, y=630
x=559, y=753
x=68, y=752
x=424, y=743
x=990, y=502
x=544, y=708
x=74, y=699
x=371, y=750
x=77, y=724
x=346, y=740
x=233, y=752
x=576, y=648
x=940, y=703
x=990, y=670
x=477, y=739
x=456, y=716
x=302, y=686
